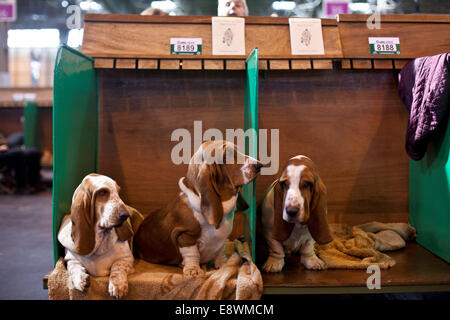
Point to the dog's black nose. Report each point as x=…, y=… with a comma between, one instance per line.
x=123, y=214
x=292, y=211
x=258, y=166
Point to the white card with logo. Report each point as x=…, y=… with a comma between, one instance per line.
x=306, y=36
x=228, y=36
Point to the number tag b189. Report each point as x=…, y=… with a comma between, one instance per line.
x=384, y=45
x=186, y=46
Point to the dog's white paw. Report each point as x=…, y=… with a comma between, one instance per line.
x=273, y=265
x=313, y=263
x=118, y=289
x=192, y=271
x=81, y=281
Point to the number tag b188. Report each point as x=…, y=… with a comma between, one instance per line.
x=384, y=45
x=186, y=46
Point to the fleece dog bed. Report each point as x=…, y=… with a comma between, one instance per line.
x=358, y=247
x=237, y=279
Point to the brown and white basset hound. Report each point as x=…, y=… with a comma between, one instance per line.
x=294, y=215
x=192, y=229
x=96, y=235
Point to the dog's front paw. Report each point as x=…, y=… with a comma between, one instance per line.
x=81, y=281
x=273, y=264
x=313, y=263
x=118, y=289
x=192, y=271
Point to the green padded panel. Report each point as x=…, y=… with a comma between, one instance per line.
x=251, y=121
x=429, y=197
x=31, y=125
x=75, y=121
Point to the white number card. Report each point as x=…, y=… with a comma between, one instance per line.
x=306, y=36
x=186, y=46
x=228, y=36
x=384, y=45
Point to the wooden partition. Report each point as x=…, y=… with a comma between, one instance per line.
x=139, y=110
x=352, y=124
x=342, y=109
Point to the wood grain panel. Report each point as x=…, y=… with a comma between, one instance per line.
x=192, y=64
x=354, y=131
x=362, y=64
x=100, y=63
x=322, y=64
x=346, y=64
x=301, y=64
x=139, y=110
x=147, y=64
x=355, y=38
x=415, y=266
x=213, y=64
x=169, y=64
x=279, y=64
x=382, y=64
x=130, y=39
x=125, y=63
x=235, y=65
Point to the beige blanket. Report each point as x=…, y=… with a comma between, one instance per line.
x=238, y=279
x=360, y=246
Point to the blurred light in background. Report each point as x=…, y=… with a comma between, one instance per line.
x=360, y=7
x=283, y=5
x=75, y=38
x=164, y=5
x=33, y=38
x=90, y=6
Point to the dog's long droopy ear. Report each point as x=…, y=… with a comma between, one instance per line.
x=318, y=222
x=82, y=215
x=210, y=203
x=281, y=229
x=241, y=204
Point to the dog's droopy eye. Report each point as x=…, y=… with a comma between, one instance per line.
x=102, y=192
x=307, y=185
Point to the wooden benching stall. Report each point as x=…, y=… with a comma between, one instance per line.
x=34, y=105
x=116, y=105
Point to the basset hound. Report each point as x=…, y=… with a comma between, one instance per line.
x=96, y=235
x=294, y=215
x=193, y=228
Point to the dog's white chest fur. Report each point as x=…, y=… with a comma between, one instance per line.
x=108, y=249
x=212, y=240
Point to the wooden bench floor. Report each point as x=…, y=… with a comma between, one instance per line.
x=417, y=270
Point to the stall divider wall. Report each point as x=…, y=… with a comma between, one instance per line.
x=31, y=126
x=429, y=187
x=251, y=122
x=77, y=131
x=75, y=125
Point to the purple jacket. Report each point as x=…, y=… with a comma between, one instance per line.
x=424, y=87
